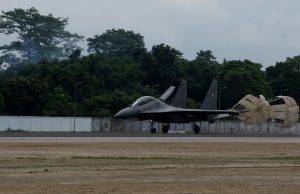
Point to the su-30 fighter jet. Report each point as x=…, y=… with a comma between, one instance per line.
x=168, y=109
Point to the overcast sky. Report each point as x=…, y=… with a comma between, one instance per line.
x=264, y=31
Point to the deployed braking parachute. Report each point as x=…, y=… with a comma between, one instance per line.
x=258, y=110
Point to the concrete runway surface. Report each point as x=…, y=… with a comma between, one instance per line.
x=150, y=139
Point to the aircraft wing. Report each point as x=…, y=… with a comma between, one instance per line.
x=180, y=115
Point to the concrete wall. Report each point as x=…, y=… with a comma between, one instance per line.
x=45, y=124
x=221, y=126
x=88, y=124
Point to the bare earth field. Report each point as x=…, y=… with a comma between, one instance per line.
x=151, y=167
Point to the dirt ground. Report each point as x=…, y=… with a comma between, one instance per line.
x=149, y=167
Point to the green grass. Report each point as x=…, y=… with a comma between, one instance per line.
x=121, y=158
x=31, y=158
x=281, y=158
x=274, y=158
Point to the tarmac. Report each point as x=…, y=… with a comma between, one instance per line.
x=15, y=137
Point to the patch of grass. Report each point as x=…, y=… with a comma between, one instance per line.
x=274, y=158
x=281, y=158
x=15, y=130
x=31, y=158
x=121, y=158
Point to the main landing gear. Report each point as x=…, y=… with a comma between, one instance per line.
x=196, y=128
x=165, y=128
x=153, y=130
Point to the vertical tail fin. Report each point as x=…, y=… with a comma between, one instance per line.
x=211, y=99
x=166, y=95
x=180, y=96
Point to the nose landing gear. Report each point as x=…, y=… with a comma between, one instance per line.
x=152, y=129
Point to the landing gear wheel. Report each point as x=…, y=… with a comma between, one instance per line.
x=165, y=128
x=196, y=129
x=153, y=130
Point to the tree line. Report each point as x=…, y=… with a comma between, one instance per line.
x=48, y=74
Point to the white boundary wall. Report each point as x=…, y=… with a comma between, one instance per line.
x=220, y=126
x=89, y=124
x=45, y=124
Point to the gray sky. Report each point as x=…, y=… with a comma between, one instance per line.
x=264, y=31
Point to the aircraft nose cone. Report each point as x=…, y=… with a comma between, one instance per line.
x=125, y=113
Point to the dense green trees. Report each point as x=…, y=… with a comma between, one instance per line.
x=199, y=73
x=38, y=37
x=109, y=83
x=106, y=85
x=285, y=77
x=118, y=70
x=160, y=65
x=108, y=104
x=239, y=78
x=58, y=103
x=23, y=95
x=116, y=43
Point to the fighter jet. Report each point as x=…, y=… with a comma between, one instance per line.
x=167, y=110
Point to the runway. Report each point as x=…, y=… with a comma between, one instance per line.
x=149, y=139
x=156, y=163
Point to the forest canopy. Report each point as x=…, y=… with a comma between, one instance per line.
x=48, y=73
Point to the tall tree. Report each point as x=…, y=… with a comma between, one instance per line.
x=285, y=77
x=199, y=74
x=161, y=65
x=239, y=78
x=206, y=57
x=38, y=36
x=116, y=43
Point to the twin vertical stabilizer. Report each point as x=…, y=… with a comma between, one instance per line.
x=211, y=99
x=178, y=97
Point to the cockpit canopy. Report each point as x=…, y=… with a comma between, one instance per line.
x=142, y=100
